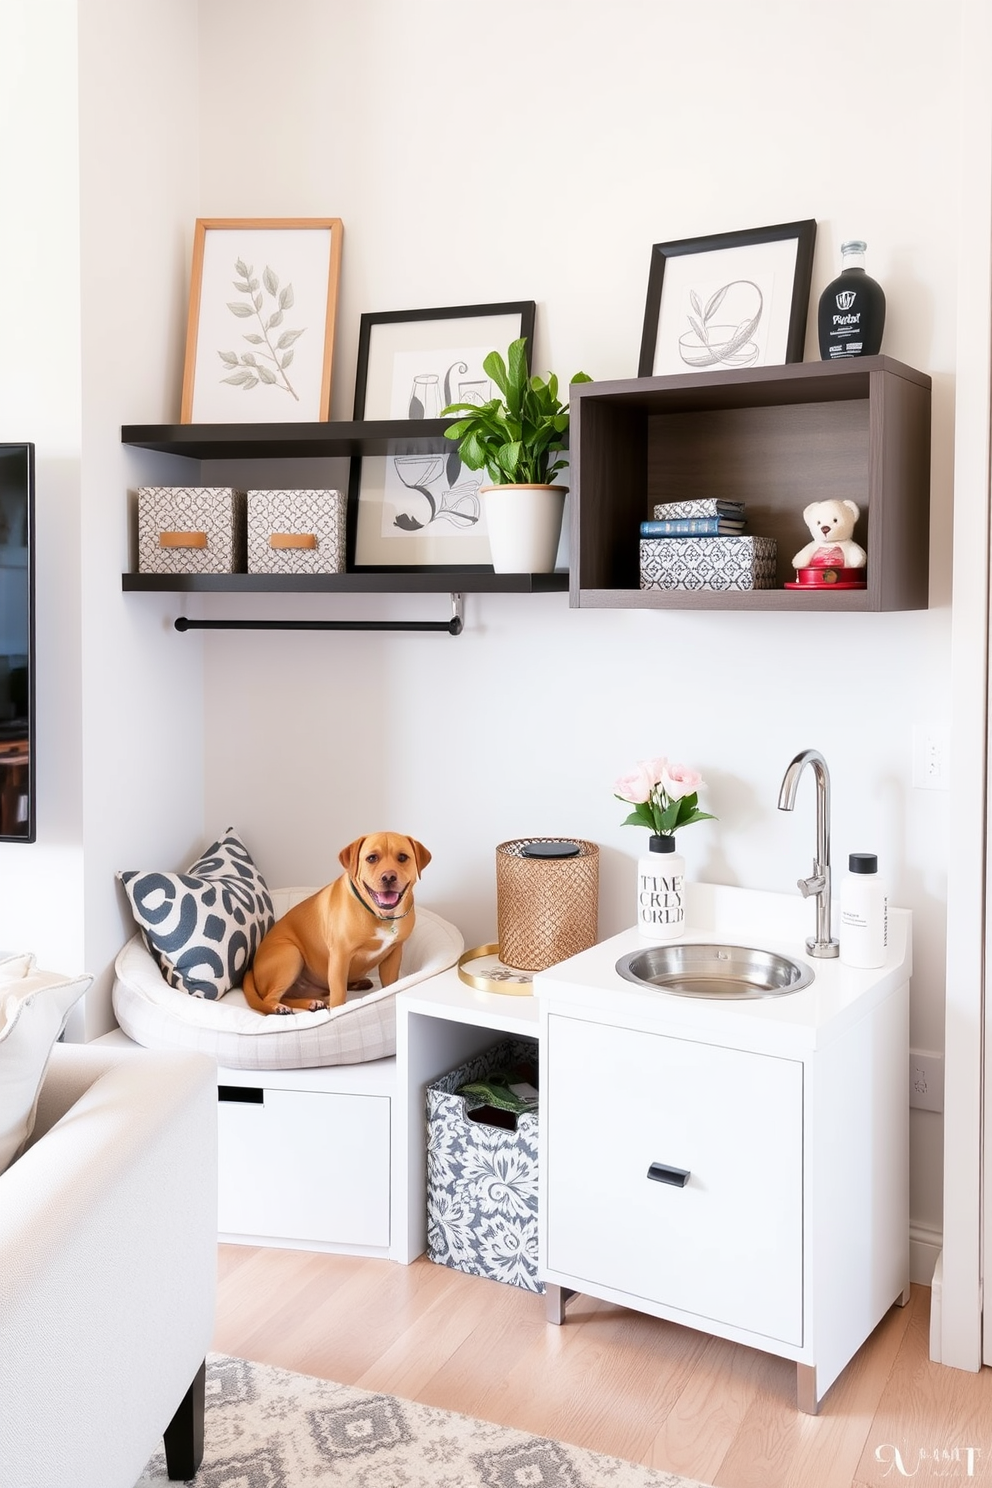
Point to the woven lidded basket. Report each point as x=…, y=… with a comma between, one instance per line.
x=546, y=906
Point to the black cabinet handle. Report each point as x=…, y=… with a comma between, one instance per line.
x=247, y=1095
x=663, y=1173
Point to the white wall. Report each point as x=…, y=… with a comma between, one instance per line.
x=968, y=1044
x=40, y=403
x=142, y=688
x=540, y=157
x=98, y=160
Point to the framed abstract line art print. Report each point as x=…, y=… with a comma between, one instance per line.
x=737, y=299
x=418, y=506
x=262, y=305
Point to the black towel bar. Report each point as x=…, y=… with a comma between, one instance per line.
x=454, y=626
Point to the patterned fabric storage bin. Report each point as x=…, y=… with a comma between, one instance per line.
x=191, y=530
x=708, y=562
x=481, y=1178
x=296, y=532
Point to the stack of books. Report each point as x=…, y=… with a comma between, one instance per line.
x=702, y=544
x=705, y=518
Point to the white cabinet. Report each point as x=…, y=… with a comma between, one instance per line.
x=334, y=1159
x=305, y=1157
x=303, y=1168
x=683, y=1145
x=780, y=1124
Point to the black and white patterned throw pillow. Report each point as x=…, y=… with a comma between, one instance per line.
x=203, y=926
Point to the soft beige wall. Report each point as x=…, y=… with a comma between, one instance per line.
x=98, y=160
x=541, y=157
x=142, y=687
x=40, y=402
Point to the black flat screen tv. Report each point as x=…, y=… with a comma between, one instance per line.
x=17, y=737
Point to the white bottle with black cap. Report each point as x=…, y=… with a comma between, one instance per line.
x=864, y=913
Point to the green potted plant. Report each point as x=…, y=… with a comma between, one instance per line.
x=517, y=438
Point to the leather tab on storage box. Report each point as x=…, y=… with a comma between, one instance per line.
x=292, y=539
x=182, y=539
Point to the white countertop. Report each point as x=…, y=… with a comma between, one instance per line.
x=447, y=996
x=793, y=1022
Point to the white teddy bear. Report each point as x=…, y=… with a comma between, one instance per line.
x=831, y=523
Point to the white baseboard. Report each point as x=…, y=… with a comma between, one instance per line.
x=925, y=1245
x=936, y=1289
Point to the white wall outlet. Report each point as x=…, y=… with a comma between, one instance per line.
x=926, y=1080
x=932, y=756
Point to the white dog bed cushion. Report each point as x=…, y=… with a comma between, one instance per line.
x=160, y=1017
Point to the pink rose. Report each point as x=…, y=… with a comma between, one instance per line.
x=655, y=768
x=636, y=786
x=678, y=781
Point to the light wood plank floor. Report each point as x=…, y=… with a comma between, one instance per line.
x=610, y=1379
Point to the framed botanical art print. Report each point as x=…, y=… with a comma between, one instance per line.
x=418, y=506
x=260, y=337
x=736, y=299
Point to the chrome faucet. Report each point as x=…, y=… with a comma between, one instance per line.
x=818, y=883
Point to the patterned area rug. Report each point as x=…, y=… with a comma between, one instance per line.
x=267, y=1428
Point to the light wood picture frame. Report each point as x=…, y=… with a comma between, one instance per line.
x=262, y=309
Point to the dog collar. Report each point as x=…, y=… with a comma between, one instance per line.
x=386, y=919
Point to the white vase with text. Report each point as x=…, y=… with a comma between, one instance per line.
x=661, y=890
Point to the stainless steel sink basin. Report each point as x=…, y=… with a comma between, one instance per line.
x=723, y=971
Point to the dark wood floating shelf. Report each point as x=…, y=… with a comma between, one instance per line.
x=337, y=438
x=776, y=438
x=375, y=581
x=334, y=439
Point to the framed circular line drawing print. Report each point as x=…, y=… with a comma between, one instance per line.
x=737, y=299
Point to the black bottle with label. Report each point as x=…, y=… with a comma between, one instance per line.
x=852, y=309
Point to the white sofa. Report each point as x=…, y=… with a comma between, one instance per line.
x=108, y=1256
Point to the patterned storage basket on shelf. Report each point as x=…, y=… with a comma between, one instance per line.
x=296, y=532
x=191, y=530
x=482, y=1178
x=708, y=562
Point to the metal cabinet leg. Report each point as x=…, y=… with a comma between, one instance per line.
x=806, y=1397
x=555, y=1299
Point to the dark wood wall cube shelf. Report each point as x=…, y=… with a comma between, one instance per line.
x=776, y=438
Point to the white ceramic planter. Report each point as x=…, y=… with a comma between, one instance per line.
x=524, y=525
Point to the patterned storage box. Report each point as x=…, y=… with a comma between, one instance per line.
x=191, y=529
x=708, y=562
x=296, y=532
x=482, y=1179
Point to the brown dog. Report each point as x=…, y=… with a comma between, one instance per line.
x=328, y=943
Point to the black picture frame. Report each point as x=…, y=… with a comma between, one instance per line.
x=18, y=743
x=443, y=529
x=686, y=288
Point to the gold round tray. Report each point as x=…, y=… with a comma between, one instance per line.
x=504, y=979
